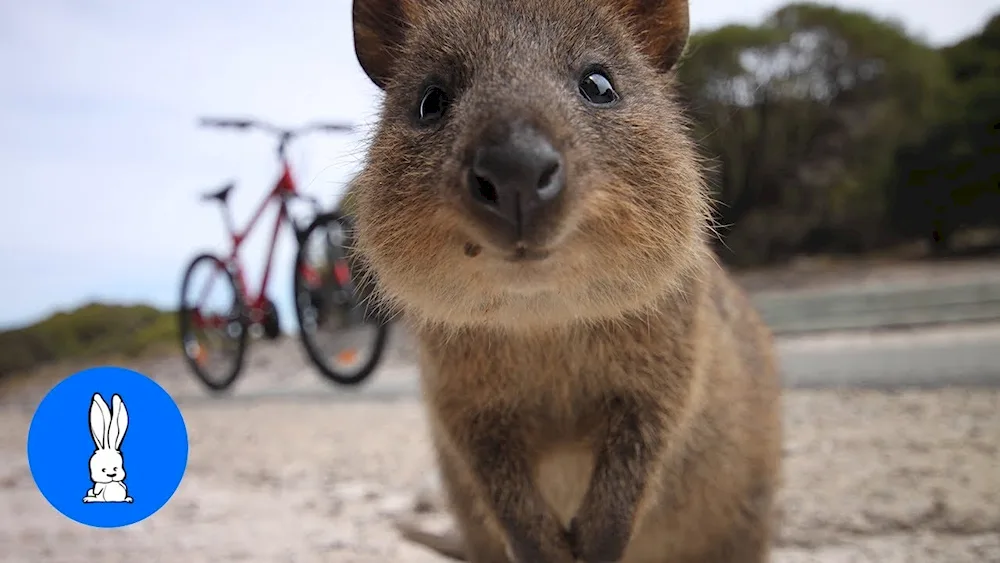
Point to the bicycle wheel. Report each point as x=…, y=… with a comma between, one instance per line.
x=213, y=331
x=344, y=342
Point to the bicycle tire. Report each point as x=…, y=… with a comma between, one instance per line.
x=315, y=355
x=214, y=385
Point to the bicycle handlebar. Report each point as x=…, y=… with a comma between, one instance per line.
x=236, y=123
x=284, y=135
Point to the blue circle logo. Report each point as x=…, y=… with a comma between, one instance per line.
x=107, y=447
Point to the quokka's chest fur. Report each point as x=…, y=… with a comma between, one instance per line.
x=558, y=389
x=570, y=367
x=558, y=417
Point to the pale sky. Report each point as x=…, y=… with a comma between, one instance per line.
x=103, y=163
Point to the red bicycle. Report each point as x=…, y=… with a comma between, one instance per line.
x=325, y=297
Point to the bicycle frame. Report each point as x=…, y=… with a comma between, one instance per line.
x=282, y=190
x=284, y=187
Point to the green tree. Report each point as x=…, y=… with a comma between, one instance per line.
x=951, y=178
x=804, y=115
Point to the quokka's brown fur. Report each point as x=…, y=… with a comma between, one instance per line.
x=617, y=400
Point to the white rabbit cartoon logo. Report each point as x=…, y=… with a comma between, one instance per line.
x=107, y=467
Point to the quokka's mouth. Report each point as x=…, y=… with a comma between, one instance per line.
x=516, y=253
x=527, y=254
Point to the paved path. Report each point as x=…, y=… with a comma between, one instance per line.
x=939, y=357
x=927, y=358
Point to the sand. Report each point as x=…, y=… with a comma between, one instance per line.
x=870, y=477
x=907, y=477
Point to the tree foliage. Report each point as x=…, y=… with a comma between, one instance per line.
x=951, y=178
x=819, y=123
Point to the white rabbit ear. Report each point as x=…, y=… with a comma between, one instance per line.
x=119, y=422
x=100, y=416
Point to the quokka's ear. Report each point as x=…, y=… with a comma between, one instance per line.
x=662, y=27
x=379, y=31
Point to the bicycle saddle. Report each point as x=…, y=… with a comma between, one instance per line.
x=220, y=195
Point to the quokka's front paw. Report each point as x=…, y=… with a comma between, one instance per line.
x=552, y=549
x=597, y=540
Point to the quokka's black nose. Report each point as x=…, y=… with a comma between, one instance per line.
x=516, y=178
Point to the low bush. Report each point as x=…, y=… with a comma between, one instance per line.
x=91, y=332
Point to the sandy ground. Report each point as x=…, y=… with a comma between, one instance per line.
x=871, y=477
x=907, y=477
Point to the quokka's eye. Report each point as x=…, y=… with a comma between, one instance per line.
x=597, y=89
x=433, y=105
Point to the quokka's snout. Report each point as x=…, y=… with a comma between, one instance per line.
x=514, y=186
